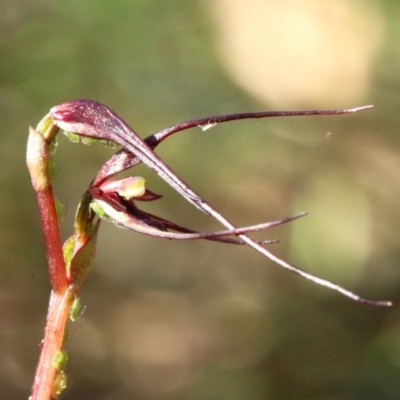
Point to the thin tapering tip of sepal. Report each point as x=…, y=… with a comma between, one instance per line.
x=341, y=290
x=375, y=303
x=287, y=219
x=361, y=108
x=299, y=215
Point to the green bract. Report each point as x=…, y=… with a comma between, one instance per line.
x=60, y=360
x=59, y=209
x=68, y=251
x=75, y=309
x=98, y=209
x=59, y=384
x=73, y=137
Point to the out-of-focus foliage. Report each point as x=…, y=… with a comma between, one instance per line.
x=200, y=320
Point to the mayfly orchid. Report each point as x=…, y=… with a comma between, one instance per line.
x=115, y=199
x=91, y=119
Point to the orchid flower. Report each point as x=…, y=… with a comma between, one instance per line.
x=115, y=199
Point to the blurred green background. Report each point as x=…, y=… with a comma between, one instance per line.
x=200, y=320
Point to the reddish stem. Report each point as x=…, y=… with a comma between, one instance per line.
x=38, y=156
x=52, y=240
x=57, y=318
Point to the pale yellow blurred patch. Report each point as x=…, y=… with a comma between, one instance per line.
x=375, y=163
x=293, y=54
x=334, y=240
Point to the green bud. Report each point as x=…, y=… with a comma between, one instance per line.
x=68, y=251
x=98, y=209
x=73, y=137
x=75, y=309
x=53, y=146
x=59, y=384
x=51, y=168
x=89, y=141
x=59, y=209
x=60, y=360
x=108, y=143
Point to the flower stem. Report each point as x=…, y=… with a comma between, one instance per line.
x=62, y=295
x=38, y=157
x=57, y=317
